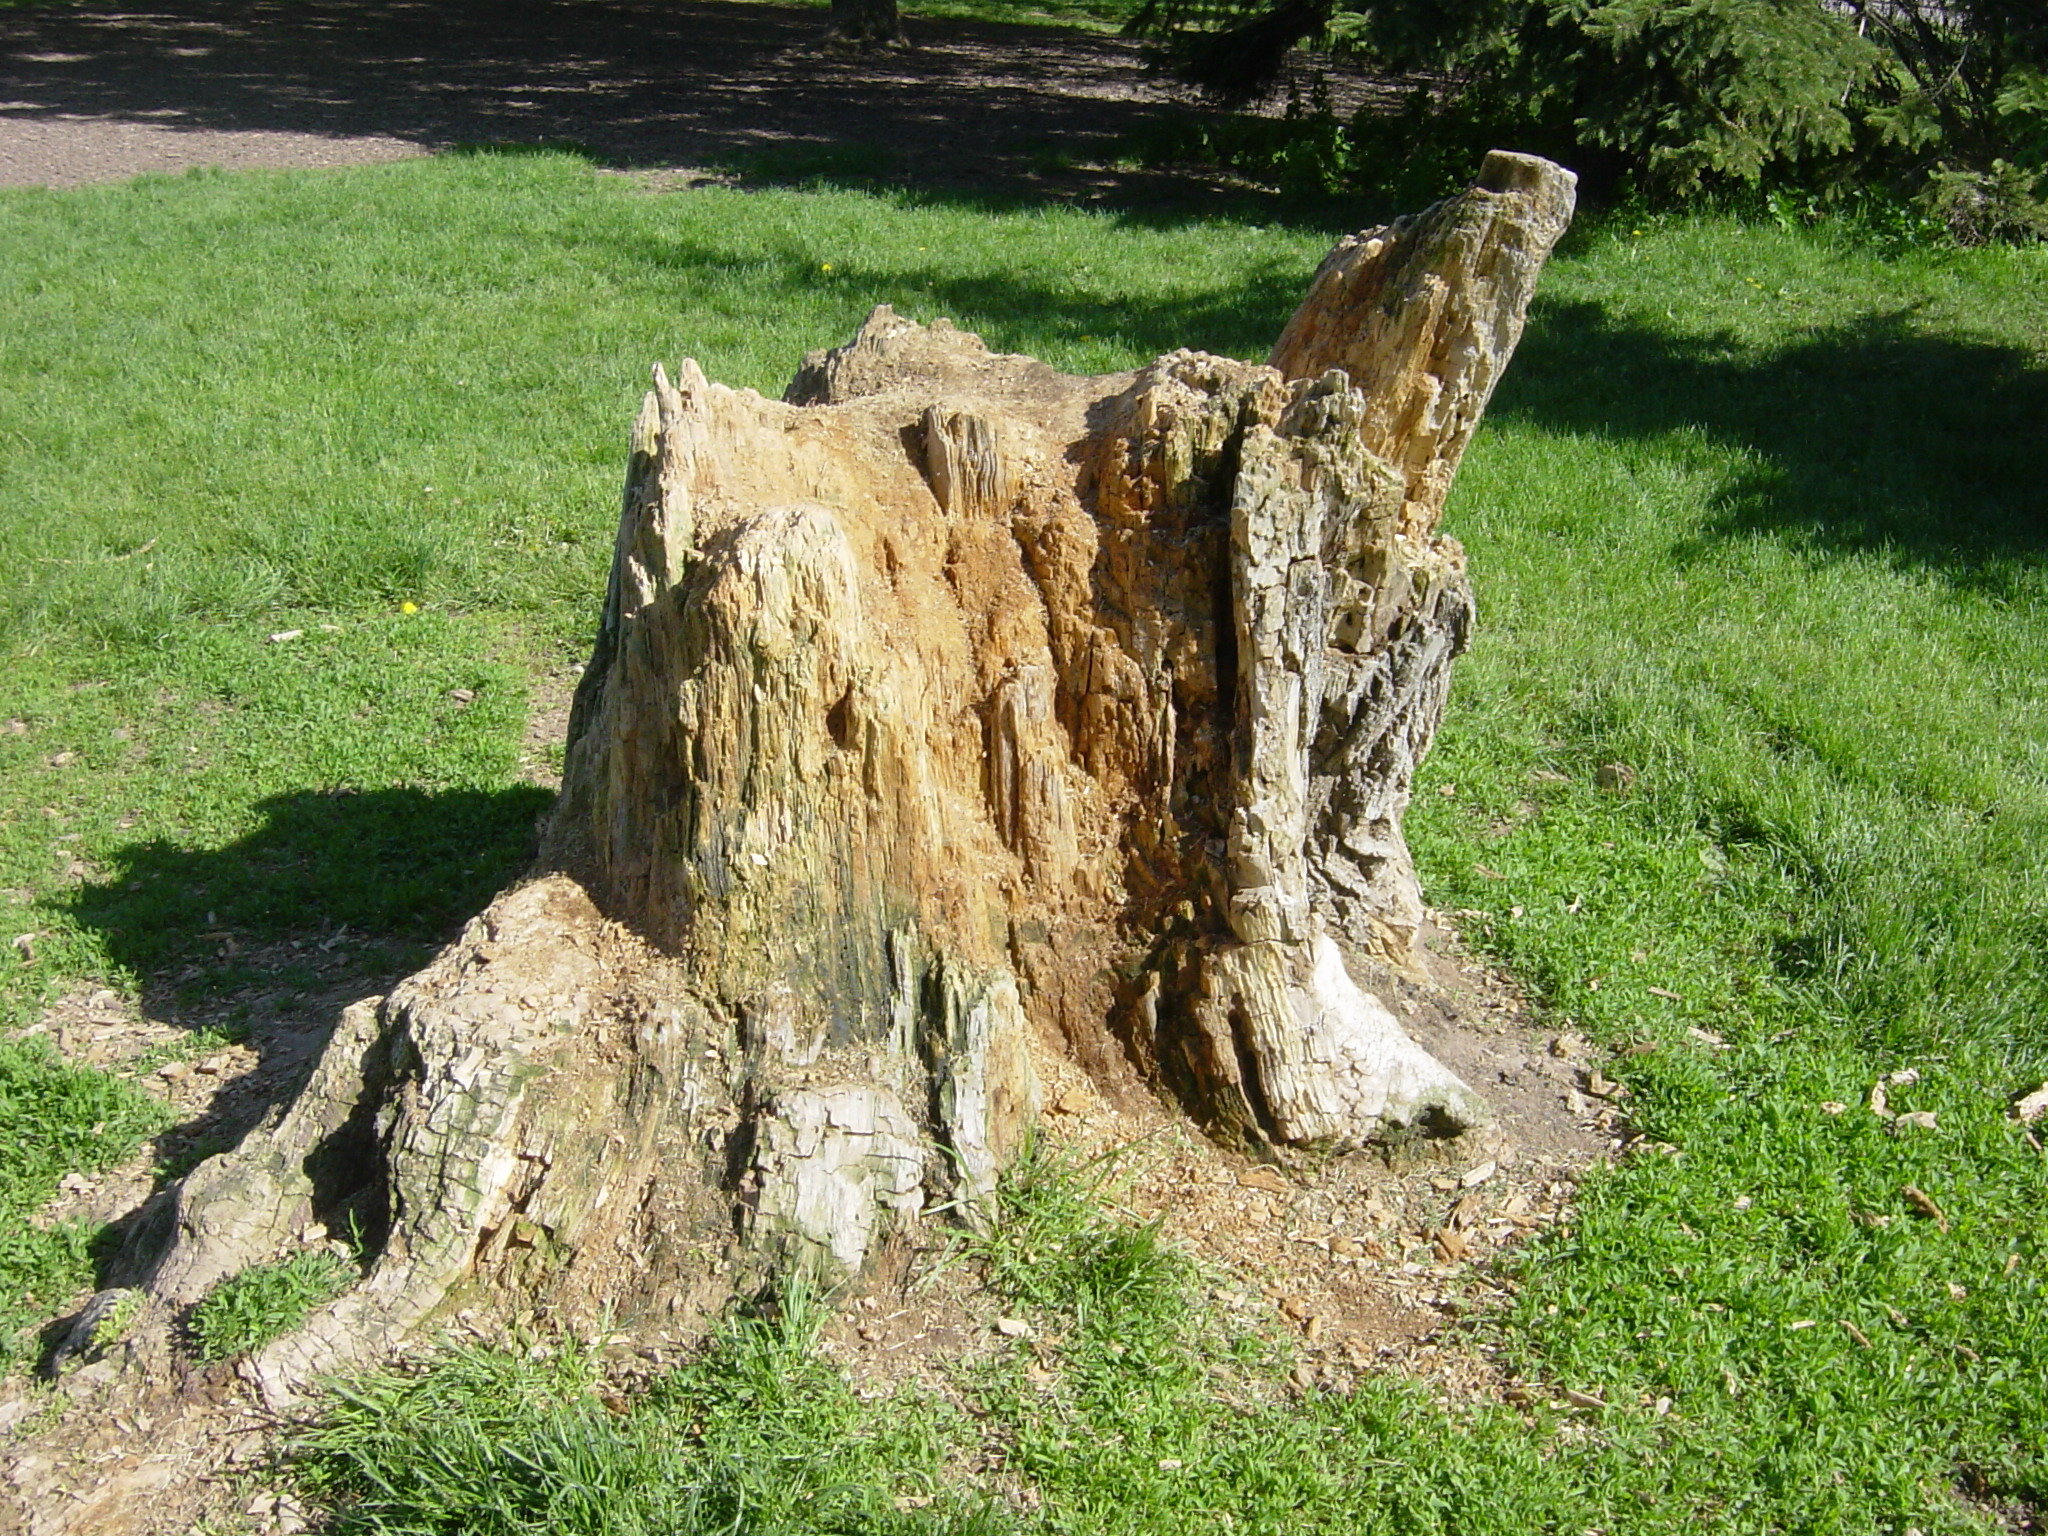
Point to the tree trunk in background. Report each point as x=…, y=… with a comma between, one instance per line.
x=951, y=723
x=865, y=22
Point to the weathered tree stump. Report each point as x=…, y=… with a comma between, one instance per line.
x=950, y=714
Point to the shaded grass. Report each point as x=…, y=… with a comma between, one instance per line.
x=1756, y=516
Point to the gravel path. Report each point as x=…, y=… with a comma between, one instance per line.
x=103, y=90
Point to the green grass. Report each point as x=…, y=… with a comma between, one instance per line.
x=265, y=1302
x=759, y=1435
x=1758, y=513
x=1779, y=549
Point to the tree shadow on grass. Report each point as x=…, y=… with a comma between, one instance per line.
x=1871, y=437
x=263, y=943
x=391, y=866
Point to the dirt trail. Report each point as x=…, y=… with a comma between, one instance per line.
x=102, y=90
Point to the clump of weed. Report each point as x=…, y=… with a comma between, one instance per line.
x=1057, y=1244
x=266, y=1301
x=54, y=1118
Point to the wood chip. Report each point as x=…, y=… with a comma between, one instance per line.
x=1666, y=993
x=1862, y=1339
x=2032, y=1107
x=1472, y=1178
x=1265, y=1179
x=1580, y=1399
x=1924, y=1205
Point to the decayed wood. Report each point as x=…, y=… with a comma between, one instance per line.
x=950, y=713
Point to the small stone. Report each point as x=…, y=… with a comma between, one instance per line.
x=1472, y=1178
x=1013, y=1328
x=2032, y=1107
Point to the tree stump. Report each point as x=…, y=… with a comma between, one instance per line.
x=948, y=715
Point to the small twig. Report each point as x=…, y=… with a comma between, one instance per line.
x=1920, y=1201
x=141, y=549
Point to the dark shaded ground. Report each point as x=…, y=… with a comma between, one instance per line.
x=103, y=90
